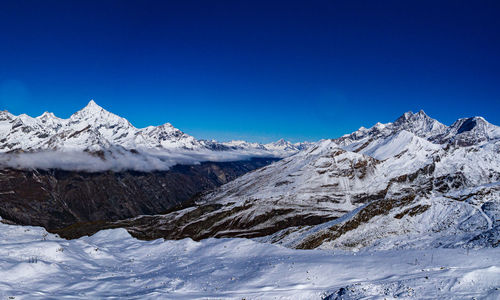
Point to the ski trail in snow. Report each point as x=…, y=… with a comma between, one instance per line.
x=486, y=217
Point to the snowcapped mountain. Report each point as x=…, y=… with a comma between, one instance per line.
x=403, y=184
x=463, y=132
x=94, y=132
x=411, y=190
x=420, y=124
x=91, y=128
x=385, y=186
x=281, y=147
x=469, y=131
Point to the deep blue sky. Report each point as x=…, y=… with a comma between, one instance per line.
x=255, y=70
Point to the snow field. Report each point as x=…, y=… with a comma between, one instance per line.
x=37, y=265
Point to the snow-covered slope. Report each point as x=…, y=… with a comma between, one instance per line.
x=463, y=132
x=419, y=124
x=393, y=182
x=280, y=148
x=469, y=131
x=418, y=201
x=111, y=264
x=385, y=182
x=96, y=139
x=91, y=128
x=402, y=141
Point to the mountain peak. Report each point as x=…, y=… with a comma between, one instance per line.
x=47, y=115
x=281, y=142
x=472, y=123
x=411, y=116
x=92, y=106
x=407, y=115
x=5, y=115
x=94, y=111
x=421, y=113
x=420, y=124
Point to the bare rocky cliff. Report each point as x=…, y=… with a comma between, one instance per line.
x=56, y=199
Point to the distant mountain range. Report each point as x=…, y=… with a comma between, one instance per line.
x=94, y=139
x=411, y=183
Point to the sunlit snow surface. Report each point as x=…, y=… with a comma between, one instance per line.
x=34, y=264
x=95, y=140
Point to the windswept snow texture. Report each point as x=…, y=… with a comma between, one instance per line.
x=94, y=139
x=37, y=265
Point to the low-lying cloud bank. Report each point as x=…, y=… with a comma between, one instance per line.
x=146, y=161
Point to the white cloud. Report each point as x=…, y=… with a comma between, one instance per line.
x=149, y=160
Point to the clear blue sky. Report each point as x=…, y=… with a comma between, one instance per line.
x=255, y=70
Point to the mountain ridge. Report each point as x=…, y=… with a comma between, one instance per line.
x=117, y=130
x=382, y=187
x=108, y=141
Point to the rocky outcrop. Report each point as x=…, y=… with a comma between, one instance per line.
x=411, y=183
x=56, y=199
x=396, y=189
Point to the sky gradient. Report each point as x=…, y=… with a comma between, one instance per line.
x=253, y=70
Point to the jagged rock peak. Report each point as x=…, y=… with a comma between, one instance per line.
x=5, y=115
x=470, y=131
x=410, y=116
x=47, y=116
x=166, y=125
x=96, y=115
x=93, y=111
x=93, y=106
x=468, y=124
x=420, y=124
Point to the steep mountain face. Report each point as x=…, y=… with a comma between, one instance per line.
x=96, y=166
x=419, y=124
x=411, y=183
x=56, y=199
x=96, y=132
x=91, y=128
x=469, y=131
x=402, y=184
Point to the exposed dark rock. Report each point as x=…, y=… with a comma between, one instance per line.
x=375, y=208
x=413, y=211
x=467, y=125
x=56, y=199
x=200, y=222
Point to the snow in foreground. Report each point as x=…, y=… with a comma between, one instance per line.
x=34, y=264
